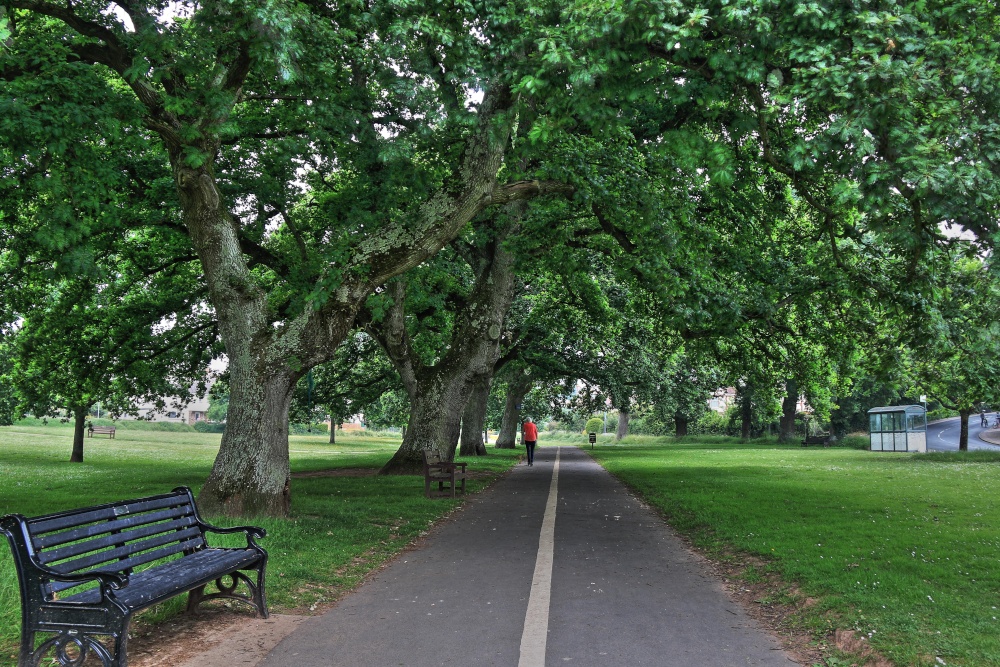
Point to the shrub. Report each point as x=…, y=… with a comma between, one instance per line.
x=210, y=427
x=853, y=441
x=712, y=423
x=594, y=425
x=941, y=413
x=305, y=429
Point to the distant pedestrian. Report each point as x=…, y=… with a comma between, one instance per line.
x=983, y=421
x=529, y=434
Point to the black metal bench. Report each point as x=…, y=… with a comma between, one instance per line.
x=85, y=572
x=817, y=440
x=101, y=430
x=436, y=469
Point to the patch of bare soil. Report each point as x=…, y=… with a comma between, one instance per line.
x=213, y=637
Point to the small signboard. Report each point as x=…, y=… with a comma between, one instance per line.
x=593, y=439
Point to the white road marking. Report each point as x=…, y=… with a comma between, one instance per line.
x=536, y=620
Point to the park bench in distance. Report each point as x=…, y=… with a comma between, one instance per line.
x=817, y=440
x=443, y=472
x=129, y=550
x=102, y=430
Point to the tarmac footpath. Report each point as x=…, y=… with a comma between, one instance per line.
x=556, y=564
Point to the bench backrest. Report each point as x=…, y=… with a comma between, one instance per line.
x=117, y=537
x=432, y=457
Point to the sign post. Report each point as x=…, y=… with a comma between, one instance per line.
x=593, y=439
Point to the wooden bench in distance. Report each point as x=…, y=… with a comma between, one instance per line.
x=443, y=472
x=130, y=550
x=101, y=430
x=817, y=440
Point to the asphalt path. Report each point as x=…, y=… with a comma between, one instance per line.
x=556, y=564
x=942, y=436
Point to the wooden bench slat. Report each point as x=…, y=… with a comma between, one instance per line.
x=443, y=472
x=134, y=562
x=123, y=556
x=77, y=548
x=63, y=520
x=104, y=527
x=172, y=576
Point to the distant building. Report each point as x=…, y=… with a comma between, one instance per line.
x=175, y=409
x=725, y=397
x=722, y=399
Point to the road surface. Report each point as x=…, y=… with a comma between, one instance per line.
x=942, y=436
x=557, y=564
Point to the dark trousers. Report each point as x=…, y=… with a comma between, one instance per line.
x=530, y=446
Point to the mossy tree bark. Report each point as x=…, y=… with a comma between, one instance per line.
x=473, y=442
x=439, y=393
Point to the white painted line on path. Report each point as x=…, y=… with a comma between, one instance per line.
x=536, y=621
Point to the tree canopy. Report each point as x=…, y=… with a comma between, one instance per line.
x=754, y=181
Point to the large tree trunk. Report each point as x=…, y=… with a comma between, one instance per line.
x=680, y=424
x=473, y=442
x=251, y=475
x=333, y=429
x=79, y=425
x=518, y=388
x=963, y=433
x=435, y=420
x=788, y=405
x=438, y=394
x=623, y=416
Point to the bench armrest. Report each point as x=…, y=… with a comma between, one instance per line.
x=109, y=580
x=252, y=532
x=447, y=466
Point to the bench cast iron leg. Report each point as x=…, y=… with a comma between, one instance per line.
x=195, y=596
x=79, y=647
x=259, y=599
x=27, y=648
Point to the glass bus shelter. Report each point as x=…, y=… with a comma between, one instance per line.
x=899, y=428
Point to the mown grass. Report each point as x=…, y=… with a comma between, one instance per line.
x=341, y=526
x=900, y=547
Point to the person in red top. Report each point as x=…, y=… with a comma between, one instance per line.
x=529, y=434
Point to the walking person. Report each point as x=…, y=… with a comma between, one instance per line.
x=529, y=434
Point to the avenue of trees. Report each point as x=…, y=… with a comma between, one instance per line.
x=449, y=210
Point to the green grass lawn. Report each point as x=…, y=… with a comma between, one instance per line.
x=341, y=526
x=903, y=548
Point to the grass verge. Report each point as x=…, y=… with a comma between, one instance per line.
x=899, y=548
x=345, y=522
